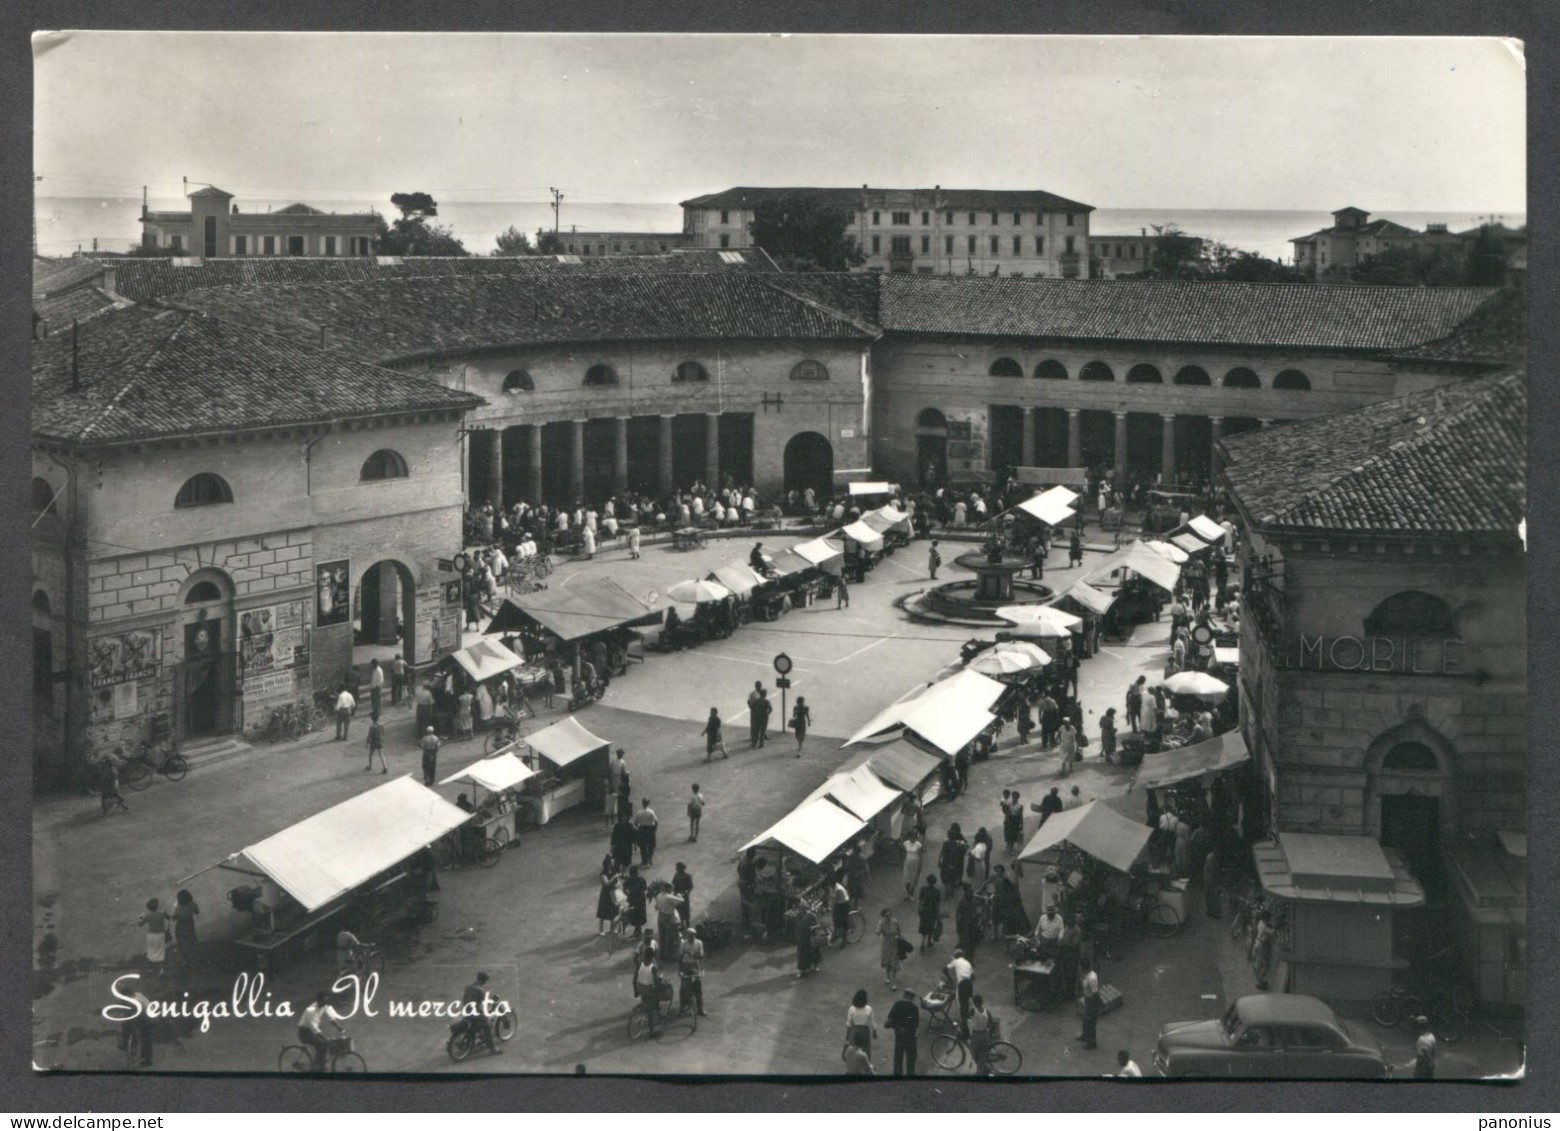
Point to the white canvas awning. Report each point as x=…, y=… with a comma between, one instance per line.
x=967, y=689
x=822, y=552
x=1206, y=529
x=1053, y=507
x=948, y=725
x=1217, y=753
x=887, y=518
x=1140, y=560
x=864, y=535
x=1094, y=828
x=486, y=659
x=1173, y=553
x=815, y=829
x=565, y=742
x=1087, y=597
x=1189, y=543
x=500, y=772
x=739, y=577
x=870, y=488
x=1226, y=655
x=860, y=791
x=325, y=856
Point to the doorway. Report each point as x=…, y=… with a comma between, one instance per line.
x=204, y=697
x=809, y=462
x=1411, y=823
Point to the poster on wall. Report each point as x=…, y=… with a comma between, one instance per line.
x=124, y=657
x=333, y=589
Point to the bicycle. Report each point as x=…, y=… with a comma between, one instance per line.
x=1447, y=1011
x=855, y=922
x=365, y=959
x=453, y=848
x=644, y=1019
x=340, y=1058
x=950, y=1051
x=464, y=1033
x=505, y=730
x=139, y=771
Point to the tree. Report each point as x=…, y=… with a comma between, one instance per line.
x=1410, y=266
x=513, y=242
x=415, y=205
x=1249, y=267
x=548, y=243
x=412, y=234
x=1486, y=265
x=1175, y=254
x=802, y=234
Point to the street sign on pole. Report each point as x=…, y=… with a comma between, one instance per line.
x=783, y=666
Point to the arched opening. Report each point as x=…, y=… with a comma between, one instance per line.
x=931, y=446
x=1413, y=756
x=931, y=418
x=43, y=498
x=690, y=371
x=1409, y=802
x=809, y=462
x=1005, y=367
x=601, y=374
x=519, y=381
x=1291, y=379
x=1192, y=375
x=1412, y=613
x=1096, y=371
x=205, y=678
x=40, y=603
x=1052, y=370
x=383, y=615
x=1144, y=375
x=384, y=464
x=809, y=370
x=203, y=490
x=1242, y=378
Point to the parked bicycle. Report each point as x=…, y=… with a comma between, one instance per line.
x=1448, y=1010
x=340, y=1058
x=138, y=772
x=365, y=959
x=455, y=848
x=505, y=729
x=855, y=922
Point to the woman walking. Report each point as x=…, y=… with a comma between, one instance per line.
x=801, y=719
x=711, y=733
x=929, y=914
x=888, y=950
x=966, y=922
x=184, y=911
x=860, y=1027
x=463, y=722
x=1013, y=825
x=636, y=888
x=695, y=812
x=912, y=868
x=623, y=841
x=1007, y=906
x=1067, y=741
x=950, y=860
x=155, y=920
x=606, y=899
x=980, y=856
x=1108, y=735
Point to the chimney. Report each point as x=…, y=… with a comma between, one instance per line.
x=75, y=360
x=110, y=279
x=324, y=338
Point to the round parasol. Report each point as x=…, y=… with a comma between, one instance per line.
x=1013, y=658
x=1041, y=620
x=1199, y=685
x=698, y=592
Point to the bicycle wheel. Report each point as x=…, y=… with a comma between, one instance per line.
x=1386, y=1009
x=1003, y=1058
x=137, y=775
x=855, y=926
x=525, y=817
x=349, y=1063
x=275, y=728
x=295, y=1058
x=1238, y=921
x=504, y=1026
x=948, y=1051
x=490, y=853
x=372, y=962
x=638, y=1022
x=501, y=834
x=174, y=767
x=459, y=1044
x=1163, y=921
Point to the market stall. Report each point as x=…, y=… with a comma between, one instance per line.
x=477, y=670
x=903, y=765
x=1167, y=550
x=965, y=693
x=801, y=846
x=499, y=777
x=313, y=873
x=863, y=549
x=1164, y=509
x=792, y=574
x=572, y=770
x=1221, y=752
x=739, y=577
x=1053, y=507
x=827, y=556
x=1148, y=579
x=861, y=792
x=593, y=609
x=893, y=524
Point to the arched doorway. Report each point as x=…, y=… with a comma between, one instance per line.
x=384, y=614
x=1409, y=805
x=809, y=462
x=204, y=680
x=931, y=446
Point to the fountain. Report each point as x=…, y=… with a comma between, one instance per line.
x=976, y=602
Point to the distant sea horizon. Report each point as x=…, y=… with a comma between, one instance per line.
x=68, y=223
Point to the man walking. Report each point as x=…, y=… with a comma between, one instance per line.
x=904, y=1021
x=345, y=705
x=397, y=679
x=753, y=697
x=690, y=965
x=933, y=560
x=430, y=756
x=761, y=712
x=645, y=824
x=376, y=687
x=841, y=593
x=1091, y=1004
x=376, y=744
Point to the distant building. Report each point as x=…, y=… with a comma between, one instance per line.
x=1353, y=240
x=215, y=228
x=933, y=231
x=1112, y=256
x=575, y=242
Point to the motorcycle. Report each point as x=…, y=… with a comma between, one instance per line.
x=584, y=694
x=466, y=1033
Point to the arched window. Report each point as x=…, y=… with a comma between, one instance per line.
x=1144, y=375
x=809, y=370
x=204, y=490
x=1192, y=375
x=1411, y=756
x=691, y=371
x=1291, y=379
x=930, y=418
x=201, y=592
x=1005, y=367
x=1242, y=378
x=384, y=464
x=1096, y=371
x=519, y=381
x=1411, y=613
x=42, y=497
x=601, y=374
x=1053, y=369
x=40, y=603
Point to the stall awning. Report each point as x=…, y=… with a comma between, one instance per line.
x=863, y=534
x=500, y=772
x=814, y=829
x=1224, y=655
x=966, y=690
x=1333, y=868
x=1053, y=507
x=1217, y=753
x=787, y=562
x=510, y=618
x=887, y=518
x=949, y=725
x=1094, y=828
x=327, y=855
x=1190, y=543
x=870, y=488
x=1140, y=560
x=860, y=791
x=822, y=552
x=486, y=659
x=1088, y=597
x=1206, y=529
x=1036, y=476
x=738, y=577
x=902, y=764
x=1165, y=549
x=589, y=603
x=565, y=742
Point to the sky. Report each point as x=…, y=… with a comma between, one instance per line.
x=1407, y=124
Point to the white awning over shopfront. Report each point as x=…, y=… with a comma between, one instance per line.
x=815, y=829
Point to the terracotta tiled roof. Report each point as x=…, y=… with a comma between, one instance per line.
x=419, y=317
x=1011, y=200
x=141, y=279
x=146, y=373
x=67, y=290
x=1450, y=461
x=1258, y=314
x=1494, y=336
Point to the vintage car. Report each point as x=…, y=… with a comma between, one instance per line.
x=1270, y=1035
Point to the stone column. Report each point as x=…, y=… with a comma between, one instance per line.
x=1167, y=446
x=533, y=436
x=1026, y=442
x=1215, y=430
x=1075, y=439
x=712, y=450
x=496, y=470
x=576, y=462
x=620, y=455
x=1121, y=445
x=664, y=479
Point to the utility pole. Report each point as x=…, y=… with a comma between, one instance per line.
x=557, y=200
